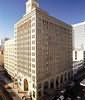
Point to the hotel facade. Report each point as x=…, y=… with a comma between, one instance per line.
x=43, y=47
x=44, y=51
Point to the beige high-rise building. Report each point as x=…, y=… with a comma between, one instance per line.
x=9, y=57
x=44, y=51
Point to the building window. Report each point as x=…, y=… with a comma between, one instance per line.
x=33, y=30
x=39, y=94
x=61, y=81
x=33, y=36
x=57, y=83
x=33, y=85
x=33, y=78
x=33, y=24
x=69, y=76
x=33, y=48
x=33, y=18
x=33, y=65
x=25, y=85
x=75, y=55
x=33, y=54
x=45, y=85
x=39, y=86
x=52, y=84
x=84, y=57
x=33, y=94
x=65, y=76
x=33, y=59
x=33, y=71
x=33, y=42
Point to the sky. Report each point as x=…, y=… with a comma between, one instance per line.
x=70, y=11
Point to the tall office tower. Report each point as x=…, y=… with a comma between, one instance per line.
x=79, y=42
x=9, y=57
x=44, y=51
x=79, y=36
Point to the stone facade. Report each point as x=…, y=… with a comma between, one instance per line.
x=9, y=57
x=43, y=51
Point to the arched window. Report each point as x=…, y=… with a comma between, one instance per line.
x=25, y=85
x=46, y=85
x=69, y=76
x=65, y=76
x=52, y=83
x=57, y=83
x=61, y=81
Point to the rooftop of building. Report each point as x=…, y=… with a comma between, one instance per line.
x=78, y=24
x=41, y=11
x=37, y=8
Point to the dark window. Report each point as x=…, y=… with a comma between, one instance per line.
x=69, y=76
x=25, y=85
x=33, y=85
x=61, y=79
x=84, y=57
x=57, y=83
x=75, y=55
x=33, y=94
x=39, y=86
x=52, y=84
x=65, y=76
x=46, y=85
x=39, y=94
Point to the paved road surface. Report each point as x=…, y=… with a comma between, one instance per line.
x=4, y=95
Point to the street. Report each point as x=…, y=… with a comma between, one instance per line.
x=4, y=95
x=76, y=91
x=9, y=91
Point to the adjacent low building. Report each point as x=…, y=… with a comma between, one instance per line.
x=9, y=57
